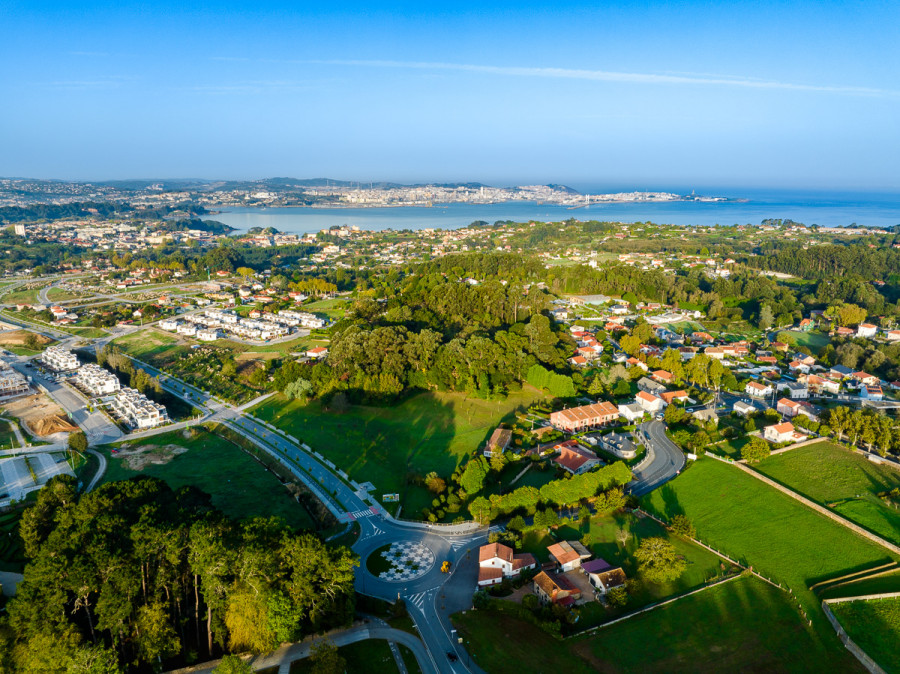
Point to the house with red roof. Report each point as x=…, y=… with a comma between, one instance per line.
x=586, y=416
x=497, y=561
x=649, y=403
x=782, y=433
x=568, y=555
x=788, y=407
x=555, y=589
x=574, y=458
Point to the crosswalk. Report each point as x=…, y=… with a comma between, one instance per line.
x=357, y=515
x=418, y=600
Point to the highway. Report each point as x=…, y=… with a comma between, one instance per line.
x=664, y=459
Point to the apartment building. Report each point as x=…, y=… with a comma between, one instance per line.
x=96, y=381
x=137, y=410
x=12, y=384
x=59, y=359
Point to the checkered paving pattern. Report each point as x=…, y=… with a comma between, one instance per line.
x=413, y=560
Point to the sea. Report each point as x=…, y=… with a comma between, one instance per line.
x=826, y=209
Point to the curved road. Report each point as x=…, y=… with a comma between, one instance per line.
x=664, y=459
x=101, y=469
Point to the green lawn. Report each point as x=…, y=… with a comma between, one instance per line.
x=430, y=431
x=875, y=627
x=814, y=341
x=334, y=309
x=762, y=527
x=238, y=484
x=843, y=480
x=886, y=583
x=372, y=656
x=151, y=345
x=741, y=626
x=7, y=437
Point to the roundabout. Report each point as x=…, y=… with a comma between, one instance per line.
x=400, y=561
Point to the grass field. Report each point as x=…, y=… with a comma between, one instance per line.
x=372, y=656
x=334, y=309
x=814, y=341
x=238, y=484
x=875, y=627
x=843, y=480
x=763, y=528
x=153, y=346
x=430, y=431
x=741, y=626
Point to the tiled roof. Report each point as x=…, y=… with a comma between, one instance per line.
x=492, y=550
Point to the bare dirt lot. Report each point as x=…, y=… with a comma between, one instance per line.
x=137, y=458
x=18, y=337
x=41, y=416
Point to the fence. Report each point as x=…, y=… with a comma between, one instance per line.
x=849, y=644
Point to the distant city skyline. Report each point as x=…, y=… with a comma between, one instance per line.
x=632, y=96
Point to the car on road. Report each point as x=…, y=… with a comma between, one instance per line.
x=452, y=657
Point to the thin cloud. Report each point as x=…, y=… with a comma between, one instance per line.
x=612, y=76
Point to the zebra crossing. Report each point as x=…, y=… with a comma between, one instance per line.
x=418, y=600
x=357, y=515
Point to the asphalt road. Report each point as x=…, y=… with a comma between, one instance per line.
x=665, y=462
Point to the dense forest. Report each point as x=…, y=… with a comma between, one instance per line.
x=134, y=576
x=77, y=209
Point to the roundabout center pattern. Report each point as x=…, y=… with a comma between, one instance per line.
x=408, y=561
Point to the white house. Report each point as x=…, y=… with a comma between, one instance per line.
x=757, y=390
x=743, y=409
x=649, y=403
x=866, y=330
x=631, y=412
x=602, y=575
x=497, y=561
x=794, y=389
x=780, y=432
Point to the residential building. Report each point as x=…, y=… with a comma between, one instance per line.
x=670, y=397
x=497, y=561
x=574, y=458
x=649, y=403
x=663, y=376
x=866, y=330
x=59, y=359
x=871, y=393
x=96, y=381
x=170, y=324
x=842, y=371
x=568, y=555
x=619, y=444
x=555, y=589
x=137, y=410
x=794, y=389
x=650, y=386
x=892, y=335
x=788, y=408
x=209, y=334
x=781, y=433
x=743, y=409
x=12, y=384
x=602, y=575
x=576, y=419
x=498, y=442
x=818, y=384
x=758, y=390
x=631, y=412
x=317, y=353
x=865, y=378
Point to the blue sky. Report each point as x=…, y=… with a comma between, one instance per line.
x=642, y=95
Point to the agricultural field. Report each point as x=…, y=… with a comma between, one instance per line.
x=17, y=342
x=875, y=627
x=430, y=431
x=239, y=485
x=846, y=482
x=741, y=626
x=761, y=527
